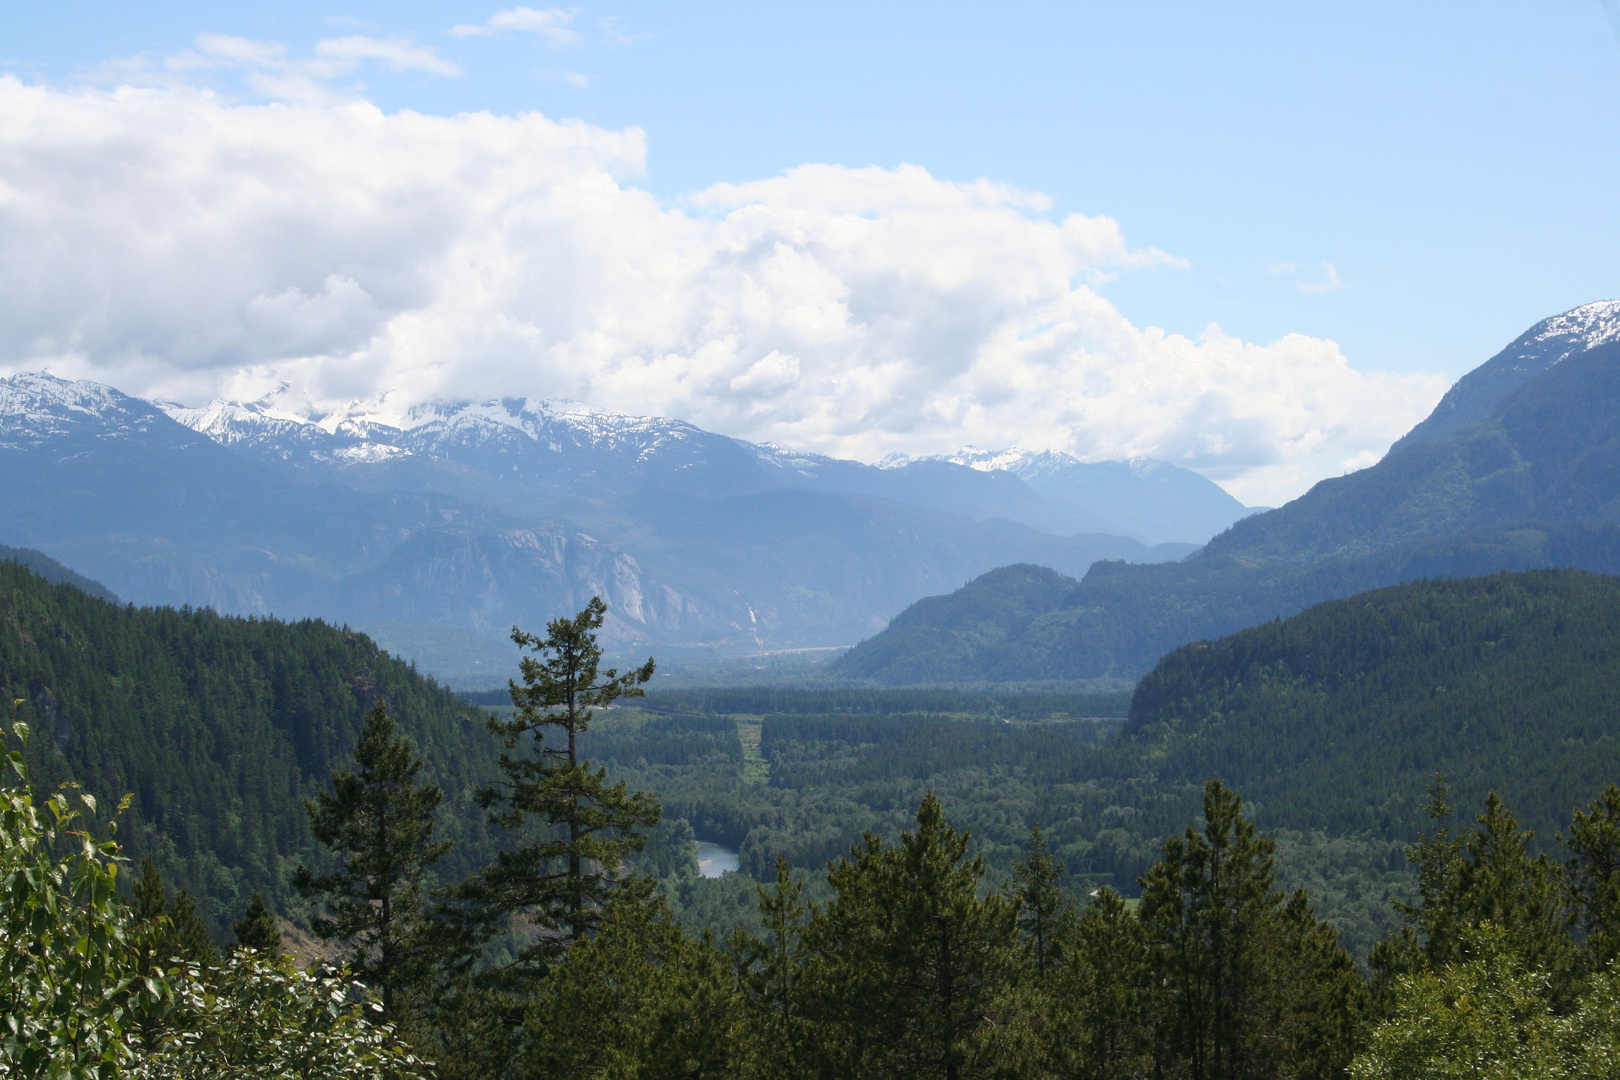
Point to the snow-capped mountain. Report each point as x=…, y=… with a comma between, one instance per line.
x=288, y=437
x=374, y=432
x=529, y=442
x=1562, y=336
x=525, y=444
x=1549, y=342
x=167, y=514
x=460, y=520
x=36, y=409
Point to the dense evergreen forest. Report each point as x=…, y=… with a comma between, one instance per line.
x=219, y=728
x=518, y=884
x=54, y=572
x=1334, y=719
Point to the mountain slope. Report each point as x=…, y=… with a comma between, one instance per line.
x=1141, y=497
x=1545, y=344
x=54, y=572
x=1121, y=619
x=1536, y=483
x=1338, y=718
x=1548, y=451
x=965, y=636
x=219, y=728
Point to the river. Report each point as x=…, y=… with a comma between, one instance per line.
x=714, y=860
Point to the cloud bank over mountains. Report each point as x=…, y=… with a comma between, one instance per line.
x=179, y=245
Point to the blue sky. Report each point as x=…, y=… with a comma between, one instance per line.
x=1416, y=182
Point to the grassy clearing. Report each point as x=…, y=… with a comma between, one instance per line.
x=756, y=770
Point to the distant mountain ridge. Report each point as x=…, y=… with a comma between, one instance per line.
x=534, y=438
x=42, y=565
x=1183, y=501
x=112, y=486
x=1533, y=482
x=463, y=519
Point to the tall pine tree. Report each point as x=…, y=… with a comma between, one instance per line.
x=1594, y=875
x=562, y=877
x=768, y=974
x=179, y=931
x=1042, y=906
x=378, y=821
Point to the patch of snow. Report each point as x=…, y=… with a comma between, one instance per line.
x=36, y=406
x=1576, y=330
x=369, y=453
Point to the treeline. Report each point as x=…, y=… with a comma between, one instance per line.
x=218, y=727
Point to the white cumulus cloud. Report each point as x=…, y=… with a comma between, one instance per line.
x=176, y=245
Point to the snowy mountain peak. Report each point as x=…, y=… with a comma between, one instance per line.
x=774, y=456
x=38, y=391
x=229, y=421
x=1013, y=459
x=36, y=406
x=1545, y=345
x=1576, y=330
x=554, y=423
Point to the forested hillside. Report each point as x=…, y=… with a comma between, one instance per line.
x=1334, y=721
x=54, y=572
x=1336, y=718
x=219, y=727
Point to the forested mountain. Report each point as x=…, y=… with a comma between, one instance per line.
x=1338, y=717
x=1537, y=349
x=979, y=633
x=54, y=572
x=1530, y=483
x=219, y=727
x=448, y=526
